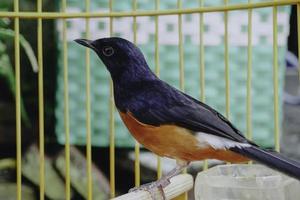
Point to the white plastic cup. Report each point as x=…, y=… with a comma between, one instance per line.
x=243, y=182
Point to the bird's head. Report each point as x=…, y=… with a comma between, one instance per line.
x=119, y=56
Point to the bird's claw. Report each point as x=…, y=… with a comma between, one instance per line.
x=151, y=188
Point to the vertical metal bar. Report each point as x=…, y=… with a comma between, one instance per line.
x=41, y=102
x=137, y=170
x=226, y=57
x=134, y=8
x=88, y=110
x=201, y=56
x=18, y=100
x=111, y=122
x=180, y=48
x=157, y=70
x=66, y=106
x=181, y=68
x=157, y=65
x=275, y=79
x=249, y=75
x=202, y=64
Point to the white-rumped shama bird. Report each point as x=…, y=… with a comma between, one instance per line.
x=171, y=123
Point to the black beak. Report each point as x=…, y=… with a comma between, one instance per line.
x=85, y=42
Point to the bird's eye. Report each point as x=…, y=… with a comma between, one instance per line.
x=108, y=51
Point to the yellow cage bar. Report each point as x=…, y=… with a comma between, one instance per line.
x=201, y=54
x=249, y=75
x=180, y=48
x=249, y=78
x=88, y=110
x=181, y=66
x=56, y=15
x=41, y=102
x=226, y=60
x=39, y=15
x=137, y=170
x=157, y=71
x=202, y=63
x=18, y=101
x=111, y=122
x=66, y=105
x=275, y=79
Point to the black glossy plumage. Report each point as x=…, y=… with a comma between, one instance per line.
x=157, y=103
x=271, y=159
x=151, y=101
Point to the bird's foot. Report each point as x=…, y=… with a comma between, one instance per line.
x=152, y=187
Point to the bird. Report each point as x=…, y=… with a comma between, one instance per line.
x=171, y=123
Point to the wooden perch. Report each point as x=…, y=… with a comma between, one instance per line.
x=179, y=184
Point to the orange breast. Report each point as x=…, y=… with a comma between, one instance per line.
x=174, y=142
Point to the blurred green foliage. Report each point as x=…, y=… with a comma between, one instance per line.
x=28, y=79
x=6, y=70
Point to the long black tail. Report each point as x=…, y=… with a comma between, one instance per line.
x=273, y=160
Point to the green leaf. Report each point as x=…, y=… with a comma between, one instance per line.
x=8, y=33
x=5, y=5
x=7, y=72
x=4, y=22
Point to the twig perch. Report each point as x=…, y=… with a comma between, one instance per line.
x=179, y=184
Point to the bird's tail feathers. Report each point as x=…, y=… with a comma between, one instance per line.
x=272, y=159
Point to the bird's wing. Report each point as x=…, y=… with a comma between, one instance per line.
x=187, y=112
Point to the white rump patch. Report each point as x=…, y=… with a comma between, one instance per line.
x=217, y=142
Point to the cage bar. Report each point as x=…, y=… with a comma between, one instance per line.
x=226, y=59
x=56, y=15
x=180, y=48
x=88, y=110
x=18, y=101
x=202, y=63
x=157, y=71
x=275, y=79
x=201, y=54
x=249, y=134
x=181, y=68
x=111, y=122
x=137, y=169
x=41, y=102
x=249, y=76
x=66, y=106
